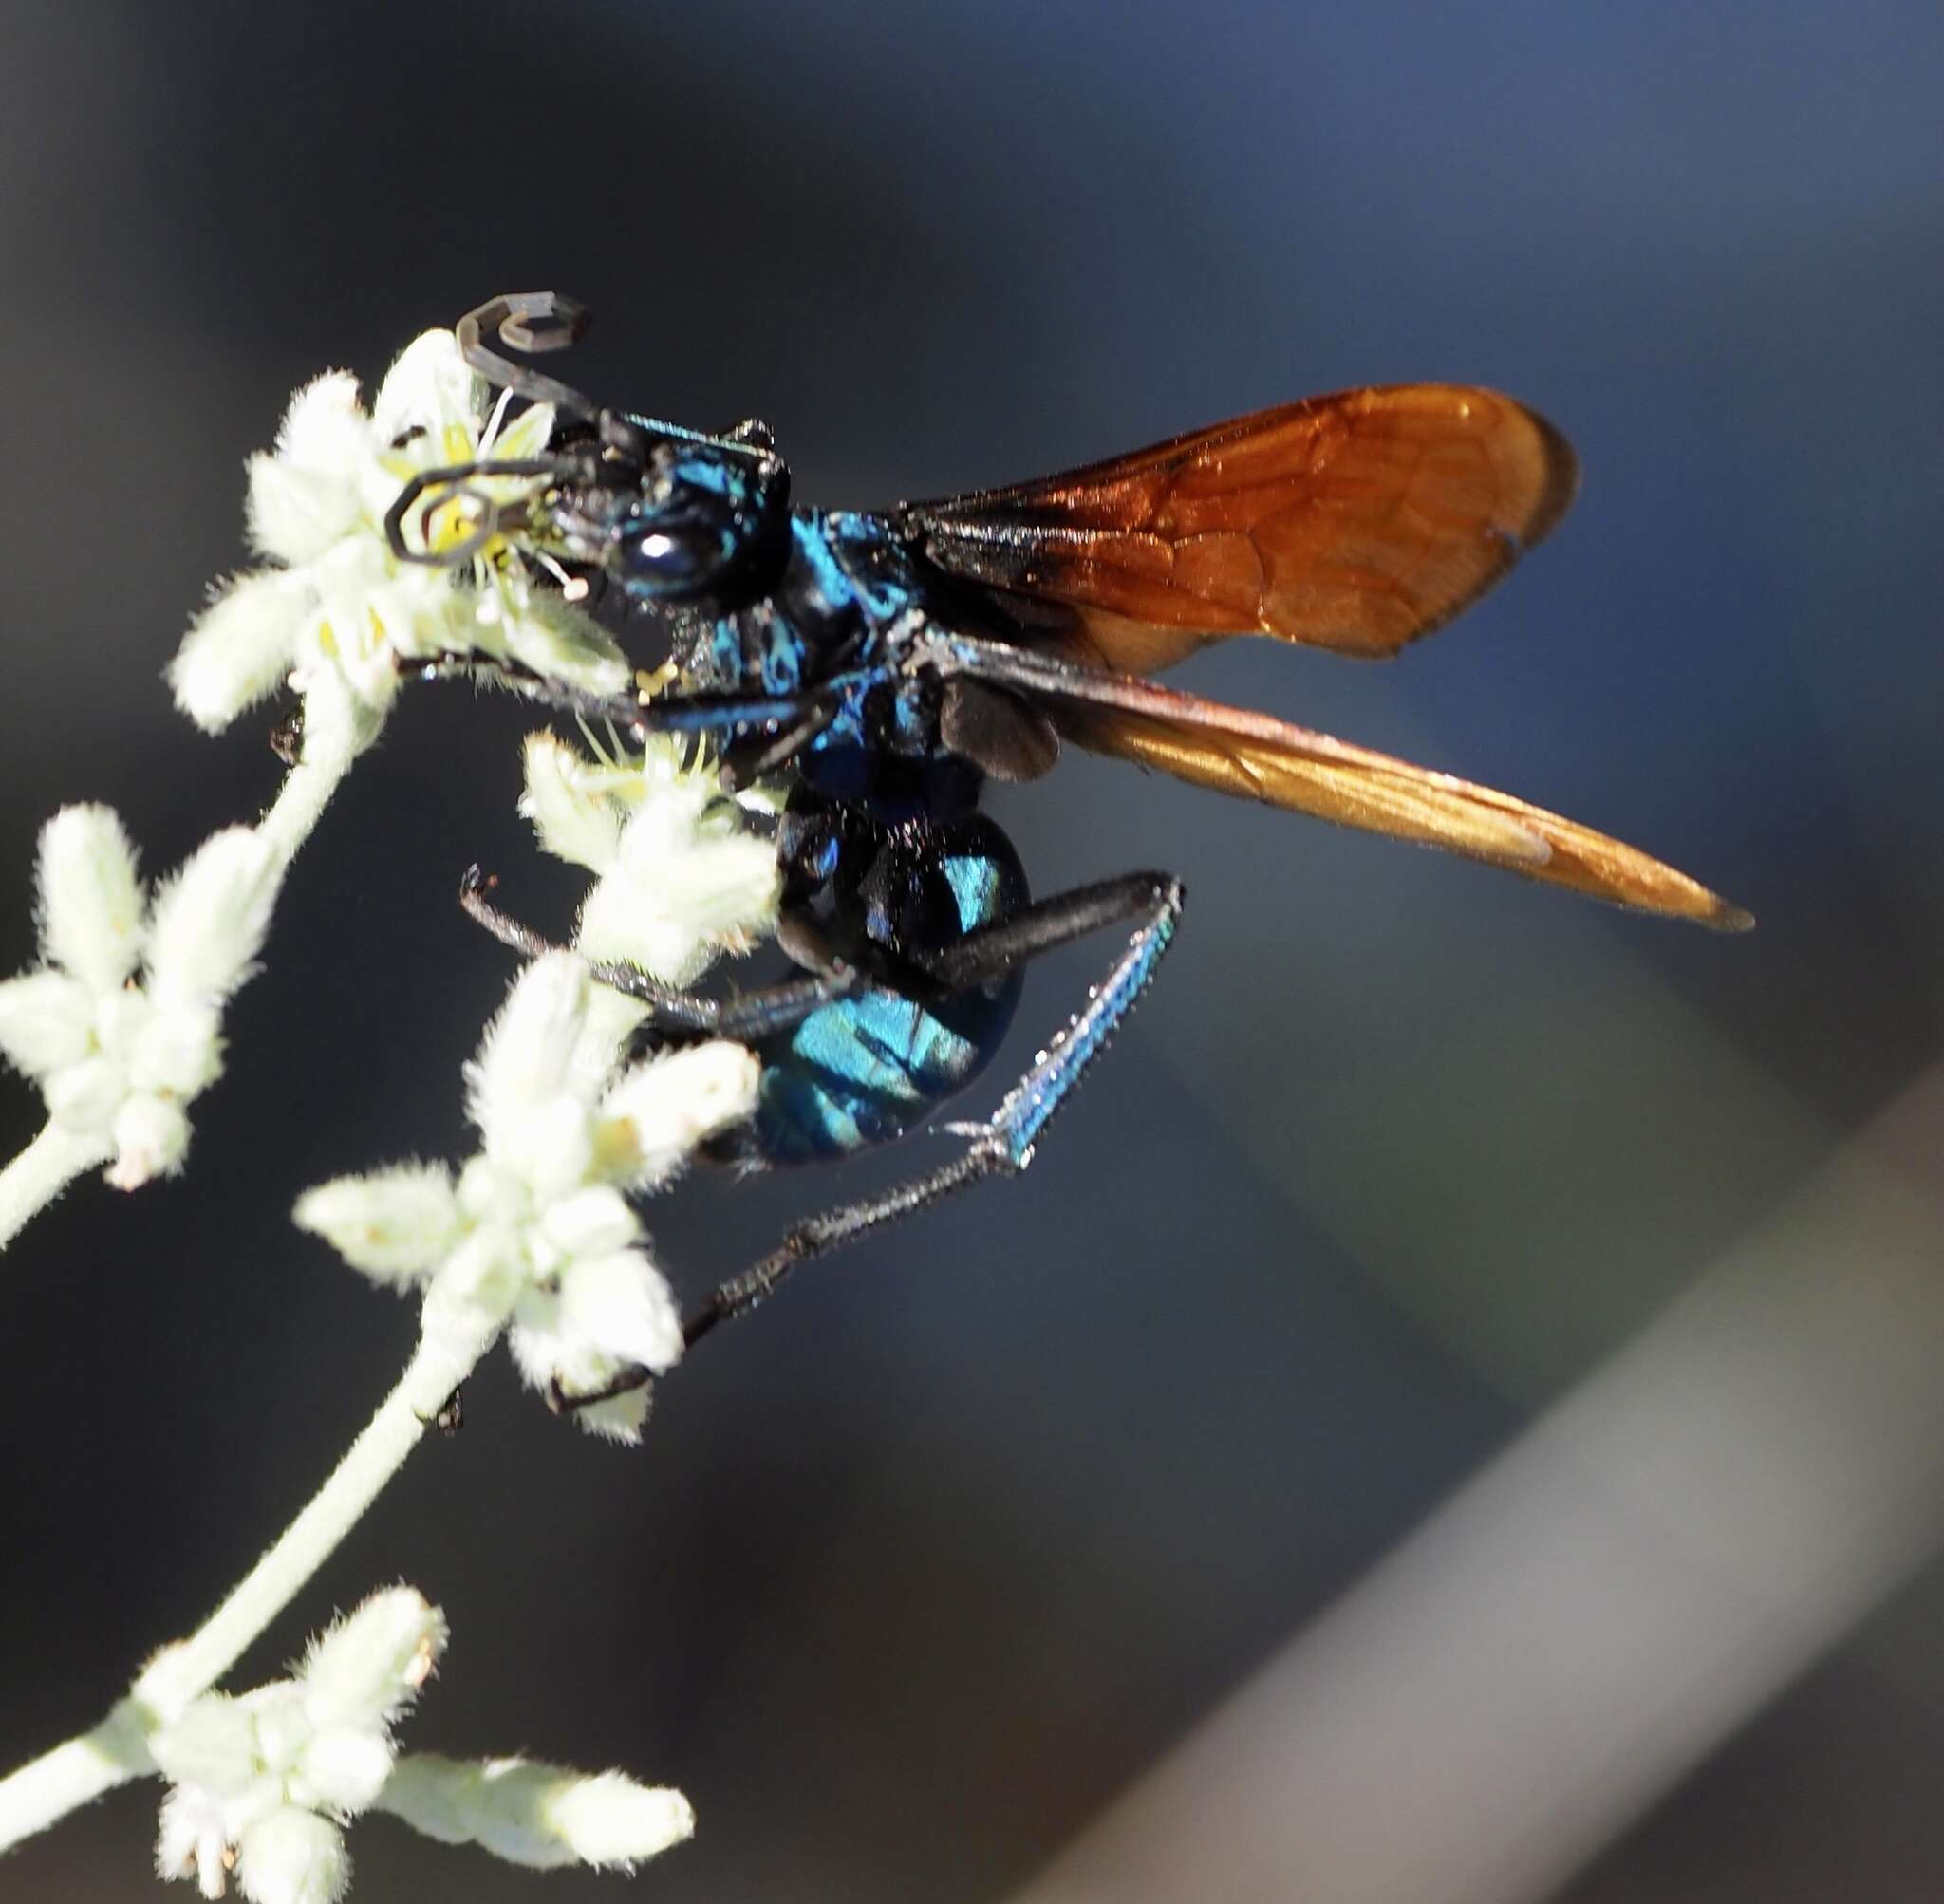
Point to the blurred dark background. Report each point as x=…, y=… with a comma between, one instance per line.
x=919, y=1568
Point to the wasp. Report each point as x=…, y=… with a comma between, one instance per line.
x=889, y=661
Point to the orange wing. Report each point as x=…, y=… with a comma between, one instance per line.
x=1257, y=757
x=1355, y=522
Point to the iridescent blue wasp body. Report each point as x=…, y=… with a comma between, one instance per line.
x=889, y=662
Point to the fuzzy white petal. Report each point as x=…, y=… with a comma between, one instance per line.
x=490, y=1195
x=418, y=614
x=591, y=1222
x=364, y=1669
x=210, y=918
x=212, y=1744
x=342, y=1770
x=240, y=648
x=600, y=1048
x=624, y=921
x=683, y=886
x=122, y=1018
x=548, y=1147
x=613, y=1019
x=621, y=1418
x=365, y=663
x=557, y=641
x=473, y=1294
x=292, y=1857
x=622, y=1304
x=47, y=1021
x=627, y=921
x=610, y=1820
x=573, y=818
x=541, y=1353
x=325, y=424
x=282, y=1727
x=194, y=1840
x=548, y=1358
x=151, y=1137
x=305, y=495
x=537, y=1815
x=669, y=1104
x=429, y=388
x=84, y=1097
x=294, y=515
x=91, y=903
x=343, y=631
x=528, y=1050
x=176, y=1049
x=394, y=1225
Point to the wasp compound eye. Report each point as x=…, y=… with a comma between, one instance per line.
x=684, y=535
x=673, y=554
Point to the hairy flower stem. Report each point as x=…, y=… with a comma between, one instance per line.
x=46, y=1789
x=32, y=1180
x=330, y=748
x=82, y=1770
x=440, y=1363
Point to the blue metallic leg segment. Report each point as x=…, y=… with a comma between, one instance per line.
x=1003, y=1145
x=1153, y=898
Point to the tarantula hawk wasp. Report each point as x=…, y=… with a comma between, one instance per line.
x=889, y=662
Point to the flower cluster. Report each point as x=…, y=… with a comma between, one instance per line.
x=119, y=1057
x=537, y=1815
x=261, y=1783
x=681, y=878
x=120, y=1026
x=340, y=614
x=536, y=1227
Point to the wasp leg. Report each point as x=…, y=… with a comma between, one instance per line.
x=1003, y=1145
x=818, y=714
x=623, y=710
x=287, y=736
x=786, y=723
x=742, y=1020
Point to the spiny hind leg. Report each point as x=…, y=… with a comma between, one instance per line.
x=1003, y=1143
x=744, y=1019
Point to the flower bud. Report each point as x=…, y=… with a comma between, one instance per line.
x=91, y=900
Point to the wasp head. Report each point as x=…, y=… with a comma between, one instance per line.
x=668, y=517
x=673, y=519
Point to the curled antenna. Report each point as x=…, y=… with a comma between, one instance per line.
x=457, y=481
x=532, y=321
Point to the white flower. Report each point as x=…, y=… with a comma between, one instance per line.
x=118, y=1057
x=682, y=877
x=537, y=1815
x=536, y=1230
x=340, y=605
x=261, y=1784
